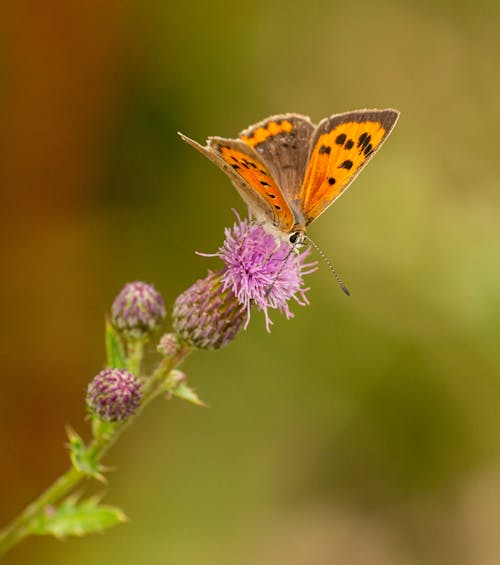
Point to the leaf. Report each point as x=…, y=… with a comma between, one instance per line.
x=115, y=355
x=81, y=459
x=73, y=518
x=185, y=392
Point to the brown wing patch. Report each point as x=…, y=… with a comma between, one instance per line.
x=342, y=146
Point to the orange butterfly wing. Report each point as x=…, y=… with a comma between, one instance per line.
x=251, y=178
x=258, y=177
x=341, y=146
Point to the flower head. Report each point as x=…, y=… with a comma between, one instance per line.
x=168, y=344
x=207, y=315
x=138, y=308
x=263, y=270
x=113, y=395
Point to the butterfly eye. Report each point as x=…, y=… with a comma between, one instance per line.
x=294, y=237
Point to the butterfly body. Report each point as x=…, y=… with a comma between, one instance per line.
x=289, y=170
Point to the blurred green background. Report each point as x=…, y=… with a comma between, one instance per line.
x=365, y=431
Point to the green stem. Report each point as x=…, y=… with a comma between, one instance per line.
x=135, y=353
x=19, y=528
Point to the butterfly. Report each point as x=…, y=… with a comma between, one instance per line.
x=289, y=171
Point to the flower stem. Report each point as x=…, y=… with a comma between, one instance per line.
x=135, y=354
x=20, y=527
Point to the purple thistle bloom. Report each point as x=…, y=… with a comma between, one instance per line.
x=261, y=270
x=113, y=395
x=138, y=308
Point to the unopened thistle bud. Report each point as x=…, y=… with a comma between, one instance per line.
x=168, y=345
x=137, y=309
x=207, y=315
x=113, y=395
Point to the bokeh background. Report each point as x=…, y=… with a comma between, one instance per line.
x=365, y=430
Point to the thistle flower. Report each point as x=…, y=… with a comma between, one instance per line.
x=113, y=395
x=259, y=270
x=206, y=315
x=138, y=308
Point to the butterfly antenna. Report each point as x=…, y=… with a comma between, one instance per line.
x=329, y=264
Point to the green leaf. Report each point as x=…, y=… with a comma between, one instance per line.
x=115, y=355
x=73, y=518
x=81, y=459
x=185, y=392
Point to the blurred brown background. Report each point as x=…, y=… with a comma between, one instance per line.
x=364, y=431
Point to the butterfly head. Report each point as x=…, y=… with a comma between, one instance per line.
x=297, y=237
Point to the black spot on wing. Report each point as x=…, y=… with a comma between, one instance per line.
x=347, y=164
x=363, y=140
